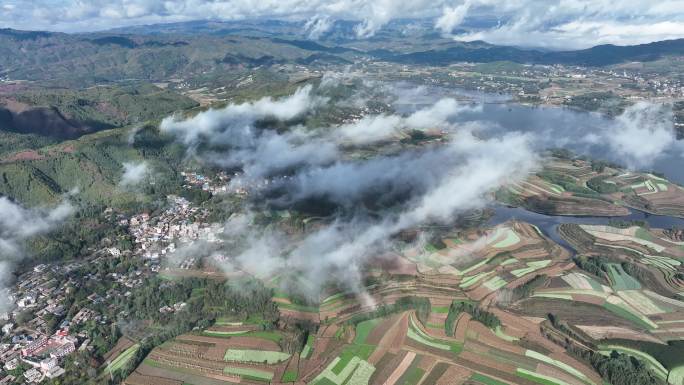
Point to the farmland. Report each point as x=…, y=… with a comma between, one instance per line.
x=122, y=359
x=579, y=187
x=348, y=196
x=490, y=306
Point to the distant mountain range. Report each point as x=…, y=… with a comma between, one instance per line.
x=158, y=52
x=601, y=55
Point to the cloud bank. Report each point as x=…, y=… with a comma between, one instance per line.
x=373, y=198
x=369, y=199
x=338, y=252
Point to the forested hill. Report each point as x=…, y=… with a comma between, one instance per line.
x=597, y=56
x=100, y=57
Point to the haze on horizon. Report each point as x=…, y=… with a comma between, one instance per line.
x=528, y=23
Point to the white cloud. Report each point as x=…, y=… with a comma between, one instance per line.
x=452, y=17
x=431, y=184
x=579, y=34
x=18, y=224
x=370, y=129
x=639, y=136
x=469, y=169
x=134, y=173
x=438, y=115
x=234, y=123
x=234, y=140
x=317, y=26
x=375, y=128
x=578, y=24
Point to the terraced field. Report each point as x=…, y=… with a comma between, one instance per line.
x=521, y=299
x=573, y=187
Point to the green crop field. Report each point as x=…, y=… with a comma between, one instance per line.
x=620, y=279
x=413, y=376
x=349, y=353
x=257, y=356
x=481, y=378
x=559, y=364
x=539, y=378
x=353, y=372
x=122, y=359
x=215, y=333
x=308, y=347
x=249, y=373
x=630, y=316
x=416, y=334
x=531, y=267
x=267, y=335
x=364, y=328
x=440, y=309
x=289, y=376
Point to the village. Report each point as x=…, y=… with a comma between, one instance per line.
x=42, y=327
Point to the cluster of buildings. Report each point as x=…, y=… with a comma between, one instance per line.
x=548, y=84
x=172, y=309
x=41, y=327
x=41, y=293
x=180, y=224
x=42, y=355
x=216, y=185
x=40, y=307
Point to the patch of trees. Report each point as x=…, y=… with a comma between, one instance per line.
x=536, y=204
x=419, y=304
x=527, y=288
x=195, y=195
x=78, y=236
x=671, y=355
x=565, y=181
x=562, y=153
x=294, y=340
x=478, y=314
x=600, y=185
x=634, y=270
x=627, y=224
x=621, y=369
x=595, y=265
x=243, y=298
x=606, y=102
x=616, y=369
x=505, y=196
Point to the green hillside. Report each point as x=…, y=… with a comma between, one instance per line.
x=91, y=166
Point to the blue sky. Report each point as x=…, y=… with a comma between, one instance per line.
x=541, y=23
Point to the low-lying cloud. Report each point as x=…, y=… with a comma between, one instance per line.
x=17, y=224
x=374, y=198
x=233, y=125
x=639, y=136
x=375, y=128
x=338, y=252
x=134, y=173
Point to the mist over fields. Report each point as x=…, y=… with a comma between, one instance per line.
x=368, y=200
